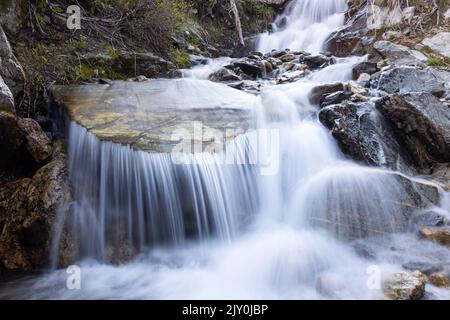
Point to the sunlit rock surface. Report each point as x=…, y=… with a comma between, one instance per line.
x=156, y=115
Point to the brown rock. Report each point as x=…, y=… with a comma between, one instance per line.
x=11, y=137
x=37, y=142
x=28, y=208
x=437, y=234
x=406, y=286
x=439, y=280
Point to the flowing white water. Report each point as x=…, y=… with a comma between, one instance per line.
x=305, y=25
x=217, y=231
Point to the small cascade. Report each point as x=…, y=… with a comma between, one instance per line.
x=137, y=199
x=305, y=25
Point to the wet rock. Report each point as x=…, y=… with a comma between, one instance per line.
x=356, y=89
x=10, y=68
x=268, y=66
x=409, y=79
x=37, y=142
x=317, y=61
x=437, y=234
x=246, y=85
x=423, y=123
x=292, y=76
x=6, y=98
x=287, y=57
x=364, y=136
x=276, y=53
x=364, y=68
x=146, y=115
x=274, y=62
x=428, y=218
x=406, y=286
x=439, y=280
x=319, y=93
x=426, y=268
x=398, y=54
x=364, y=79
x=250, y=67
x=335, y=98
x=28, y=208
x=224, y=74
x=440, y=43
x=344, y=44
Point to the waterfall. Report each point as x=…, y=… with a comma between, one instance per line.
x=304, y=25
x=203, y=229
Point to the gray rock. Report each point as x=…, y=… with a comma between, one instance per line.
x=363, y=135
x=6, y=98
x=424, y=267
x=398, y=54
x=319, y=93
x=364, y=67
x=428, y=218
x=250, y=67
x=423, y=123
x=409, y=79
x=440, y=43
x=317, y=61
x=10, y=69
x=224, y=74
x=335, y=98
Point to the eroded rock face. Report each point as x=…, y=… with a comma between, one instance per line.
x=27, y=213
x=423, y=122
x=409, y=79
x=37, y=142
x=406, y=286
x=318, y=94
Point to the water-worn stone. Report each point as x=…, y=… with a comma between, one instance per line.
x=223, y=74
x=437, y=234
x=319, y=93
x=150, y=115
x=317, y=61
x=428, y=218
x=250, y=67
x=409, y=79
x=406, y=286
x=439, y=280
x=423, y=124
x=37, y=142
x=335, y=98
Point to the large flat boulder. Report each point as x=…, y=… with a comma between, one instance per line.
x=440, y=43
x=398, y=54
x=152, y=115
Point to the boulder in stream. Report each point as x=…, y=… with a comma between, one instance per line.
x=406, y=286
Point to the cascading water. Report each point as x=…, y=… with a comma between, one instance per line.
x=305, y=25
x=210, y=230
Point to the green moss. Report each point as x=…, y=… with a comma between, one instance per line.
x=181, y=58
